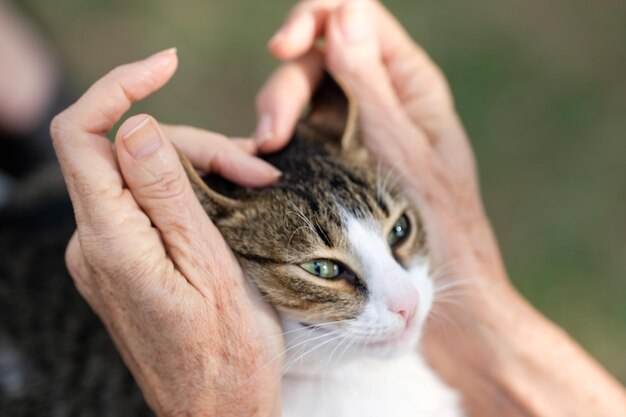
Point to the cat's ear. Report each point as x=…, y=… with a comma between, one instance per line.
x=214, y=203
x=333, y=114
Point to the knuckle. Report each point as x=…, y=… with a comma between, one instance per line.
x=73, y=259
x=59, y=125
x=118, y=72
x=356, y=67
x=112, y=261
x=169, y=185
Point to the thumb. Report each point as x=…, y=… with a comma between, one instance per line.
x=156, y=179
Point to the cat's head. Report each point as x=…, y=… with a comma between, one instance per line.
x=334, y=246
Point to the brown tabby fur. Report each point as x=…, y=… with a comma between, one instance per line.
x=273, y=230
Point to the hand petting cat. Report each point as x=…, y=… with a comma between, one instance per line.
x=184, y=322
x=499, y=346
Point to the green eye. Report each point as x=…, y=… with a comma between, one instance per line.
x=399, y=231
x=323, y=268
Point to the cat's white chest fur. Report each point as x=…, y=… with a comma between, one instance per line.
x=368, y=387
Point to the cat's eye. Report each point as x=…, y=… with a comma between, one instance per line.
x=399, y=231
x=323, y=268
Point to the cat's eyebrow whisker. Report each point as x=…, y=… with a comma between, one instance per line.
x=302, y=216
x=296, y=231
x=378, y=182
x=389, y=174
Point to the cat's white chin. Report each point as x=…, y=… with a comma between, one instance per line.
x=308, y=346
x=390, y=347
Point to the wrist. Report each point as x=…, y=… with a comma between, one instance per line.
x=234, y=402
x=532, y=367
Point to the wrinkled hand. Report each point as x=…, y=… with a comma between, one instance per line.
x=504, y=357
x=407, y=117
x=149, y=261
x=407, y=121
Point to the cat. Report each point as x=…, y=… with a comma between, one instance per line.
x=342, y=256
x=334, y=246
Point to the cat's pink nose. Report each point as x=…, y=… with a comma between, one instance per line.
x=404, y=304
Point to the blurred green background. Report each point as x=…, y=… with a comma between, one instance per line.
x=541, y=87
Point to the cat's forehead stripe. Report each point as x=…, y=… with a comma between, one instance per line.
x=323, y=235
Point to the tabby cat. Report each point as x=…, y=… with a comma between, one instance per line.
x=333, y=246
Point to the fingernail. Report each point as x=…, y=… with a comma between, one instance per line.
x=275, y=172
x=278, y=36
x=245, y=144
x=294, y=28
x=143, y=140
x=163, y=54
x=355, y=21
x=265, y=129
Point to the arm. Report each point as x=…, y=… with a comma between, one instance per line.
x=504, y=357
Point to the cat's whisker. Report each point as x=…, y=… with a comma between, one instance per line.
x=346, y=348
x=319, y=345
x=294, y=233
x=330, y=358
x=313, y=327
x=453, y=302
x=457, y=288
x=442, y=321
x=451, y=284
x=389, y=174
x=444, y=274
x=316, y=326
x=291, y=362
x=284, y=352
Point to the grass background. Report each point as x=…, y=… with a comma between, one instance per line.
x=540, y=85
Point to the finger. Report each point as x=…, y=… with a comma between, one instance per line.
x=297, y=34
x=283, y=97
x=86, y=157
x=157, y=181
x=353, y=57
x=245, y=144
x=110, y=97
x=418, y=82
x=215, y=153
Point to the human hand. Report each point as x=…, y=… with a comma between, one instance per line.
x=406, y=118
x=149, y=261
x=504, y=357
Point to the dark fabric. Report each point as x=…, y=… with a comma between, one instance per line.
x=21, y=154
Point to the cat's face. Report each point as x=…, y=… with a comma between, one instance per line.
x=335, y=248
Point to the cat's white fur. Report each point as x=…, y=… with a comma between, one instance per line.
x=369, y=366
